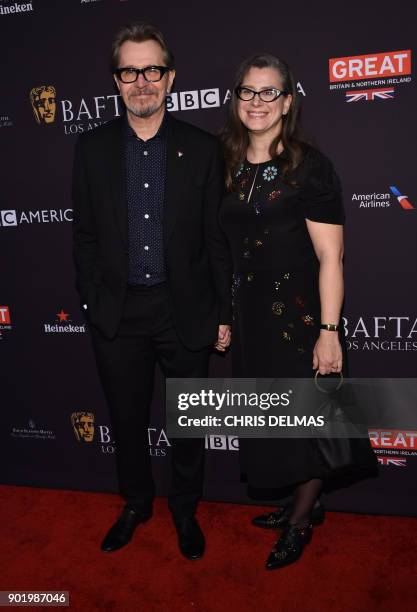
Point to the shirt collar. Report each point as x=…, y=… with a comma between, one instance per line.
x=160, y=134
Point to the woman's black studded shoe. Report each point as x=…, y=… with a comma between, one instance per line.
x=272, y=520
x=279, y=518
x=289, y=546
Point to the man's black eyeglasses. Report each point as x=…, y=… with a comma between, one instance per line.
x=266, y=95
x=152, y=74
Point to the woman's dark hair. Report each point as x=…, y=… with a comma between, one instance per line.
x=235, y=137
x=139, y=32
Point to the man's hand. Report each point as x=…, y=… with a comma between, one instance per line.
x=224, y=338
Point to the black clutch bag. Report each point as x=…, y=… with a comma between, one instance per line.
x=342, y=444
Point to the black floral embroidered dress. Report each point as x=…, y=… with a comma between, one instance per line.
x=275, y=292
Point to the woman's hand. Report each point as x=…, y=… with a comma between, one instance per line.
x=327, y=353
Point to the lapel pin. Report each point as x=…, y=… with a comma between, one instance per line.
x=180, y=153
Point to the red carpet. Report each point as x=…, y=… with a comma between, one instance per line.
x=51, y=541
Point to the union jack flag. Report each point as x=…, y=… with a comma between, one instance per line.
x=370, y=95
x=397, y=461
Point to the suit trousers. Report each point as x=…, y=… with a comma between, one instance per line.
x=126, y=367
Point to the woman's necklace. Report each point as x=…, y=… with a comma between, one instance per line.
x=253, y=184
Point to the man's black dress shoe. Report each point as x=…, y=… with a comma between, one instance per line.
x=190, y=537
x=279, y=518
x=289, y=547
x=122, y=531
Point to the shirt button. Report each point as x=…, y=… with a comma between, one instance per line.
x=146, y=216
x=145, y=152
x=146, y=248
x=146, y=185
x=147, y=275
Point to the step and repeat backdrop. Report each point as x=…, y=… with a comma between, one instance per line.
x=355, y=76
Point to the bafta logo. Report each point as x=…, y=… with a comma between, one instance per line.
x=43, y=101
x=83, y=426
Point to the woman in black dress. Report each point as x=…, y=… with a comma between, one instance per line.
x=283, y=216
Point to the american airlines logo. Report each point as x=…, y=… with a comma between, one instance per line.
x=402, y=199
x=383, y=199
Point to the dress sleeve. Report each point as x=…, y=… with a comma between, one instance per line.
x=321, y=190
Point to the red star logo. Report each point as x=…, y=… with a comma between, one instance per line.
x=62, y=316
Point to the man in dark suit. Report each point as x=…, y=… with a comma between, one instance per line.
x=153, y=271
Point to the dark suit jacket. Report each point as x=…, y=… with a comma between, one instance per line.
x=198, y=266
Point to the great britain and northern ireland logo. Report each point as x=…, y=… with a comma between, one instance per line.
x=370, y=77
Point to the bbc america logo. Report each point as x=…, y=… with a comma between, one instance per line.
x=222, y=443
x=191, y=100
x=8, y=218
x=13, y=218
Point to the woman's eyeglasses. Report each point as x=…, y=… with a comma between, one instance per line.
x=266, y=95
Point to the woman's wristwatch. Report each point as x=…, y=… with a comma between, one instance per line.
x=329, y=327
